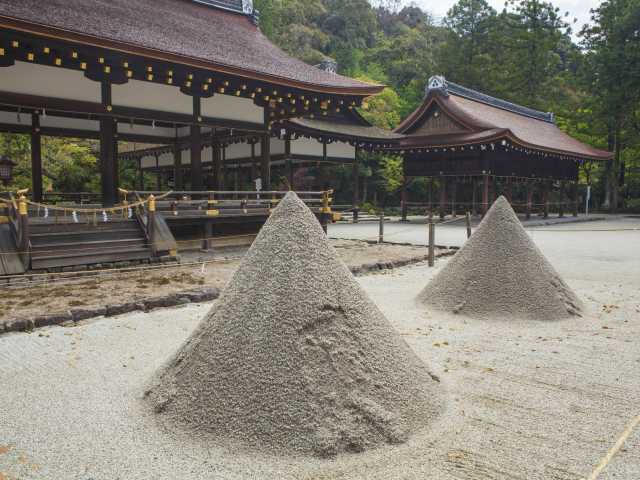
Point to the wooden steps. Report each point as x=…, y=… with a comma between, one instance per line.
x=59, y=244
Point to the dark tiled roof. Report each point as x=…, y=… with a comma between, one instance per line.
x=346, y=130
x=453, y=139
x=483, y=115
x=215, y=37
x=465, y=92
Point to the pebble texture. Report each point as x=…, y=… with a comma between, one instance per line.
x=500, y=273
x=296, y=359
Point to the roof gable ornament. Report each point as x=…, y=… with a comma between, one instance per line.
x=244, y=7
x=328, y=65
x=437, y=83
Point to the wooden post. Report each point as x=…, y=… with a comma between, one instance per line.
x=151, y=215
x=430, y=198
x=403, y=200
x=325, y=211
x=468, y=219
x=356, y=187
x=443, y=197
x=545, y=198
x=116, y=162
x=197, y=177
x=485, y=193
x=177, y=167
x=381, y=228
x=474, y=196
x=529, y=198
x=107, y=137
x=432, y=240
x=265, y=167
x=454, y=191
x=254, y=164
x=574, y=187
x=561, y=196
x=217, y=166
x=36, y=158
x=23, y=212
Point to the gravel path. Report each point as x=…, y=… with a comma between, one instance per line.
x=535, y=402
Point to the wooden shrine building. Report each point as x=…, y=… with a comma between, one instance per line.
x=477, y=146
x=183, y=73
x=231, y=159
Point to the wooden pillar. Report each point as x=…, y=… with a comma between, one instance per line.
x=355, y=199
x=404, y=198
x=443, y=197
x=474, y=196
x=116, y=162
x=430, y=196
x=546, y=187
x=36, y=158
x=254, y=164
x=218, y=173
x=574, y=188
x=178, y=182
x=454, y=191
x=197, y=178
x=485, y=193
x=321, y=180
x=529, y=198
x=561, y=202
x=265, y=165
x=107, y=150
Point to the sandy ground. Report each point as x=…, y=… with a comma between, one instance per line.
x=527, y=400
x=131, y=286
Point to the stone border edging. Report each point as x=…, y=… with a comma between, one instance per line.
x=74, y=315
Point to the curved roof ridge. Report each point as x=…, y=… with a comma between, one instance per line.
x=471, y=94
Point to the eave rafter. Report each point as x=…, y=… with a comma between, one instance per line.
x=117, y=67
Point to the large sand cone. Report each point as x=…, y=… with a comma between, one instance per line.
x=500, y=273
x=295, y=358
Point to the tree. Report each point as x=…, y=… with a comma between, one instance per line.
x=613, y=68
x=533, y=32
x=465, y=53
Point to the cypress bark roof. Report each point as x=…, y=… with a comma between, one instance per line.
x=479, y=117
x=205, y=36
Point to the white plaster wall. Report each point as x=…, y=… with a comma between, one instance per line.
x=341, y=150
x=152, y=96
x=232, y=108
x=306, y=146
x=27, y=78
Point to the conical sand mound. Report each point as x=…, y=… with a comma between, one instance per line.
x=500, y=273
x=295, y=359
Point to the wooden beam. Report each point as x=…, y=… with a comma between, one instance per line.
x=36, y=158
x=265, y=165
x=64, y=105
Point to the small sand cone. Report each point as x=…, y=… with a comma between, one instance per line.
x=295, y=359
x=501, y=273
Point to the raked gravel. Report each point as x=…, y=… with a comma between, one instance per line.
x=501, y=274
x=295, y=359
x=528, y=400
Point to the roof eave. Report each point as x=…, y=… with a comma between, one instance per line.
x=131, y=49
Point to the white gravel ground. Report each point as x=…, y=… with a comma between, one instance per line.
x=527, y=401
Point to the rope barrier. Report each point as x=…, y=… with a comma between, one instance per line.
x=86, y=211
